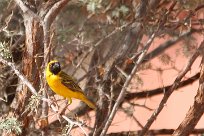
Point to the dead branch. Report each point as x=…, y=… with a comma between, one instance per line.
x=116, y=30
x=174, y=86
x=196, y=111
x=123, y=90
x=159, y=91
x=164, y=46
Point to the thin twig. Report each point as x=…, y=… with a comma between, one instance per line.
x=141, y=105
x=131, y=115
x=123, y=90
x=98, y=43
x=164, y=46
x=121, y=71
x=137, y=121
x=158, y=91
x=72, y=123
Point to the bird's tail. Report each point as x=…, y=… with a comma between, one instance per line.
x=89, y=103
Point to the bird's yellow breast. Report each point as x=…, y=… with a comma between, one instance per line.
x=54, y=81
x=63, y=84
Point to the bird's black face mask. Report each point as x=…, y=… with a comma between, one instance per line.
x=55, y=68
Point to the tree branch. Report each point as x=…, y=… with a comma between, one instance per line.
x=162, y=47
x=157, y=91
x=168, y=93
x=22, y=6
x=54, y=11
x=47, y=21
x=123, y=90
x=195, y=113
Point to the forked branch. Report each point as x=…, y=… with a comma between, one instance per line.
x=174, y=86
x=123, y=91
x=196, y=111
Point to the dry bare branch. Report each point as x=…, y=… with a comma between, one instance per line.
x=196, y=111
x=164, y=46
x=122, y=93
x=158, y=91
x=168, y=93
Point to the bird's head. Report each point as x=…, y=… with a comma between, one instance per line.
x=54, y=67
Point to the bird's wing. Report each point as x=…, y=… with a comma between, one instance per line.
x=69, y=82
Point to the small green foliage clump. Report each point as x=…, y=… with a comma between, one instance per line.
x=4, y=51
x=92, y=5
x=34, y=102
x=65, y=130
x=11, y=125
x=122, y=10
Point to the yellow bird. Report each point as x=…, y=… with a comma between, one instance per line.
x=64, y=85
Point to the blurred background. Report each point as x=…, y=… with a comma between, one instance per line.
x=99, y=43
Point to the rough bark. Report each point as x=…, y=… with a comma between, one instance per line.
x=37, y=34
